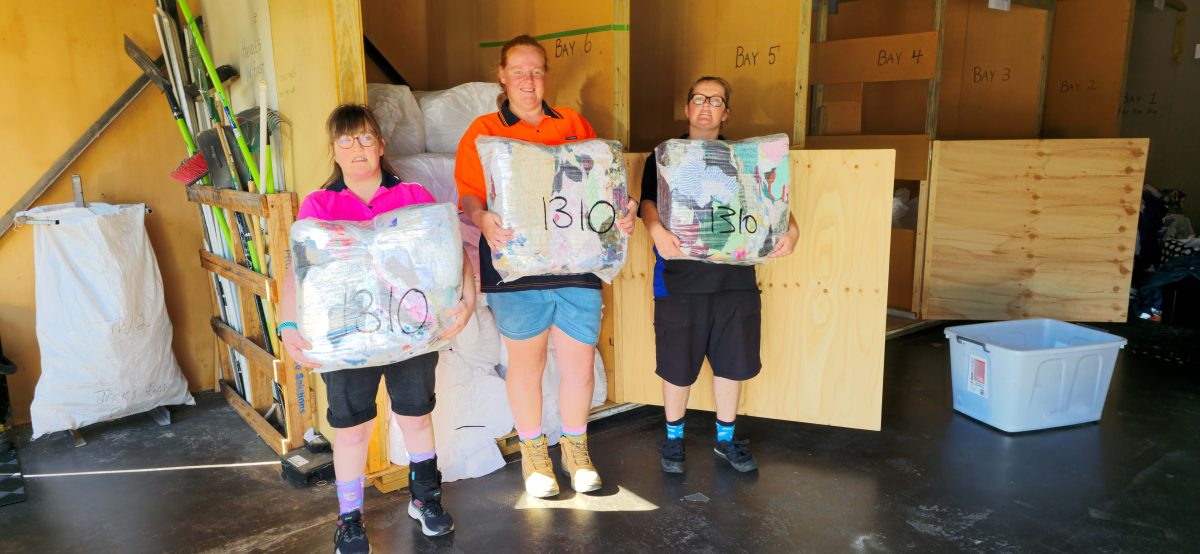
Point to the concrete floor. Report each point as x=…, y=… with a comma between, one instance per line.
x=931, y=481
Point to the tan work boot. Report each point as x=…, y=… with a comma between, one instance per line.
x=538, y=469
x=577, y=464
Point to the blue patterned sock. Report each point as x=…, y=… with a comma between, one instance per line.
x=724, y=431
x=675, y=429
x=350, y=495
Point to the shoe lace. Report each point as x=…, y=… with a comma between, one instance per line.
x=540, y=457
x=579, y=452
x=352, y=529
x=738, y=449
x=432, y=507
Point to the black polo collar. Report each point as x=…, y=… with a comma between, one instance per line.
x=509, y=118
x=387, y=181
x=688, y=136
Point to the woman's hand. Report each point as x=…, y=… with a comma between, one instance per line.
x=461, y=313
x=493, y=230
x=787, y=242
x=666, y=243
x=295, y=345
x=625, y=224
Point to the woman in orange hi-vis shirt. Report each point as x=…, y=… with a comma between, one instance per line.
x=532, y=310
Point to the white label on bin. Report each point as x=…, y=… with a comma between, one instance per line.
x=977, y=376
x=298, y=460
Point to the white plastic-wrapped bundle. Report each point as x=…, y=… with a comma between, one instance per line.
x=726, y=201
x=449, y=112
x=399, y=117
x=375, y=292
x=562, y=204
x=433, y=171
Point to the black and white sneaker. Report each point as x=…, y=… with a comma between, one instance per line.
x=672, y=455
x=350, y=536
x=425, y=484
x=435, y=521
x=737, y=453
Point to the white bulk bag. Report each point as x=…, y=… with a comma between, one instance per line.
x=449, y=112
x=435, y=172
x=102, y=324
x=399, y=118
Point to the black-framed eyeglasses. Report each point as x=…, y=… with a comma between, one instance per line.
x=346, y=142
x=714, y=101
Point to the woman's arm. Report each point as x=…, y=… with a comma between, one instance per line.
x=665, y=241
x=466, y=307
x=292, y=340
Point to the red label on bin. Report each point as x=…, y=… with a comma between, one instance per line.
x=977, y=379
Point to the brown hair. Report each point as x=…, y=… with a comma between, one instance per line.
x=710, y=79
x=351, y=119
x=519, y=40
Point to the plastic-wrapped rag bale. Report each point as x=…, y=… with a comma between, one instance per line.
x=449, y=112
x=562, y=204
x=375, y=292
x=399, y=117
x=726, y=201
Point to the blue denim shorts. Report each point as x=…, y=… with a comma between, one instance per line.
x=526, y=314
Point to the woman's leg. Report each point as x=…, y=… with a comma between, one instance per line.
x=576, y=364
x=526, y=363
x=417, y=431
x=350, y=451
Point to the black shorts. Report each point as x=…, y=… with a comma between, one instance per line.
x=724, y=326
x=351, y=393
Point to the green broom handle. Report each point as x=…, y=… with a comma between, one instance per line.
x=212, y=75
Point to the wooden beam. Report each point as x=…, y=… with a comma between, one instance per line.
x=1041, y=106
x=910, y=57
x=235, y=200
x=803, y=60
x=260, y=361
x=298, y=399
x=64, y=161
x=256, y=421
x=258, y=284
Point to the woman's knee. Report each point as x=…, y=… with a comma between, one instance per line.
x=349, y=436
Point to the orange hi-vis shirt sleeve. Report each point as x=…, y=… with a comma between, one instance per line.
x=559, y=126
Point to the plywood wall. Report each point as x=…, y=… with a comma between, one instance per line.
x=752, y=44
x=1086, y=76
x=400, y=30
x=823, y=307
x=888, y=107
x=1032, y=228
x=992, y=71
x=586, y=43
x=70, y=70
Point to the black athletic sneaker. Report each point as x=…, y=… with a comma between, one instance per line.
x=672, y=455
x=737, y=453
x=351, y=536
x=425, y=484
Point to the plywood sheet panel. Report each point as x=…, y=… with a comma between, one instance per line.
x=992, y=71
x=823, y=307
x=400, y=30
x=912, y=151
x=1086, y=77
x=1032, y=228
x=754, y=47
x=896, y=108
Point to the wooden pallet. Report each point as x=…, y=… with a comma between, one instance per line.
x=266, y=371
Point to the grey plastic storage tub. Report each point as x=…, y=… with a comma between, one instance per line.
x=1031, y=374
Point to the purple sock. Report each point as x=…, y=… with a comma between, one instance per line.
x=350, y=495
x=421, y=457
x=575, y=431
x=530, y=434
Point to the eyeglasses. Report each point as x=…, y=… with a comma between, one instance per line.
x=714, y=101
x=346, y=142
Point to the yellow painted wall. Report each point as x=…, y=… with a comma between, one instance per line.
x=60, y=74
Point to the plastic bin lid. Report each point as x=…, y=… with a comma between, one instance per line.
x=1033, y=334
